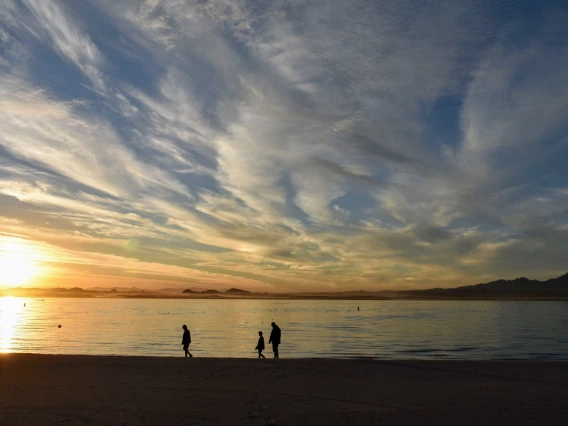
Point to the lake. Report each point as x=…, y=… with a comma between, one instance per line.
x=393, y=329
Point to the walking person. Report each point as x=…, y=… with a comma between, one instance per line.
x=260, y=345
x=275, y=338
x=186, y=341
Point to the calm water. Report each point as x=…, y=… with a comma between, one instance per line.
x=314, y=328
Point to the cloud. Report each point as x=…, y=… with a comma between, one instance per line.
x=60, y=136
x=303, y=145
x=51, y=24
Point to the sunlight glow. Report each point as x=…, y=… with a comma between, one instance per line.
x=10, y=311
x=18, y=263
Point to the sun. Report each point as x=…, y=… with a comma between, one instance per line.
x=18, y=264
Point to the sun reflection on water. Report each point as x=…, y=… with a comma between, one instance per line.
x=10, y=317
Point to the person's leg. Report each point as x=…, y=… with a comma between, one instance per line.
x=260, y=354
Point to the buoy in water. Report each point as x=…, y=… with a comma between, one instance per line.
x=59, y=326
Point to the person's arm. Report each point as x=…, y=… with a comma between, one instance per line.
x=188, y=337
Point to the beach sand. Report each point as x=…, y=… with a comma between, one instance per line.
x=97, y=390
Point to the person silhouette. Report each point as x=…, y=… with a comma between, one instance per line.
x=260, y=345
x=275, y=338
x=186, y=341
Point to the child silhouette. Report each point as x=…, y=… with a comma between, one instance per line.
x=260, y=346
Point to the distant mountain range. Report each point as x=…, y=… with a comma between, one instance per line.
x=519, y=288
x=230, y=291
x=121, y=289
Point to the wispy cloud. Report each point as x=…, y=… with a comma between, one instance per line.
x=295, y=145
x=52, y=26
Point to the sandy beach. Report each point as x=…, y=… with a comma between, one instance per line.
x=93, y=390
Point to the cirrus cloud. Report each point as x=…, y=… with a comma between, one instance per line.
x=286, y=145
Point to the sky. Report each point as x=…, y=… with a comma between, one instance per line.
x=322, y=145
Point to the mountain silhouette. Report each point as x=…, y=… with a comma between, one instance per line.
x=517, y=287
x=236, y=291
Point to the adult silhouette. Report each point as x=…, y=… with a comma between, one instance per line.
x=275, y=335
x=186, y=341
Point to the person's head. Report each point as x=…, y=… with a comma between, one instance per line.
x=260, y=333
x=184, y=327
x=273, y=324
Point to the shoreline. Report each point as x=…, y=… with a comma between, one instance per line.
x=292, y=297
x=269, y=358
x=128, y=390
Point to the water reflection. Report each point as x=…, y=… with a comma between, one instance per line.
x=315, y=328
x=10, y=318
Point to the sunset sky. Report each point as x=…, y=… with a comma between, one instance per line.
x=282, y=145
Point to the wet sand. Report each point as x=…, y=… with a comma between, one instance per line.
x=96, y=390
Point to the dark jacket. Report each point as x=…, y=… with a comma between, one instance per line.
x=275, y=335
x=260, y=345
x=186, y=338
